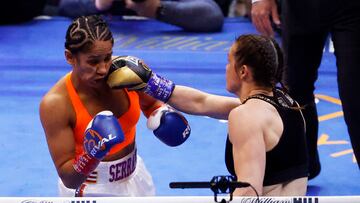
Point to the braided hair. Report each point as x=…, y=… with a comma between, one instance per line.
x=264, y=57
x=83, y=31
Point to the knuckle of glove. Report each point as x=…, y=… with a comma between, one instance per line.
x=169, y=126
x=128, y=72
x=102, y=133
x=154, y=119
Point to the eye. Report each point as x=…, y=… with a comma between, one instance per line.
x=93, y=62
x=107, y=58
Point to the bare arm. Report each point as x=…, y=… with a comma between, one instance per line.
x=193, y=101
x=249, y=150
x=59, y=135
x=185, y=99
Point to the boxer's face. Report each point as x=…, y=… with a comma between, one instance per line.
x=232, y=80
x=94, y=64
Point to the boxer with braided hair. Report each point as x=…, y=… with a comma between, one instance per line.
x=262, y=53
x=84, y=31
x=266, y=142
x=266, y=130
x=91, y=128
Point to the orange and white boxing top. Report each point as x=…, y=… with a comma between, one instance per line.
x=127, y=121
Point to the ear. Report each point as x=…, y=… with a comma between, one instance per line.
x=70, y=58
x=242, y=71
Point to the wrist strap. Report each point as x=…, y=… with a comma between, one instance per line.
x=160, y=88
x=86, y=164
x=254, y=1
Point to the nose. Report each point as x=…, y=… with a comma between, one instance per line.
x=227, y=66
x=102, y=68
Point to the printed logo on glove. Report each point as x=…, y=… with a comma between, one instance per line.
x=128, y=72
x=169, y=126
x=102, y=133
x=97, y=142
x=132, y=73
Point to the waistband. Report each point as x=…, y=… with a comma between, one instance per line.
x=114, y=171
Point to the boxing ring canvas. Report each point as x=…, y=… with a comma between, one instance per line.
x=32, y=60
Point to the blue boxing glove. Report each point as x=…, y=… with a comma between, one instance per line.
x=101, y=134
x=169, y=125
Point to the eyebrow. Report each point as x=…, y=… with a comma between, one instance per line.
x=94, y=56
x=98, y=56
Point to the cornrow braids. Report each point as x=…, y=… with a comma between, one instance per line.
x=264, y=57
x=84, y=30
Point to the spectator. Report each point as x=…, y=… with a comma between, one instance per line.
x=191, y=15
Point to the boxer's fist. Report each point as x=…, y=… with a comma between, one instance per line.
x=169, y=126
x=101, y=134
x=128, y=72
x=132, y=73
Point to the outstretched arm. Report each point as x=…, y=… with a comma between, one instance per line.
x=132, y=73
x=193, y=101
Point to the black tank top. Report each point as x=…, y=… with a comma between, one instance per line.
x=288, y=160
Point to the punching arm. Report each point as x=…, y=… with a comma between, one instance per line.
x=132, y=73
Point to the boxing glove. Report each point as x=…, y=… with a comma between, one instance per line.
x=169, y=126
x=101, y=134
x=132, y=73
